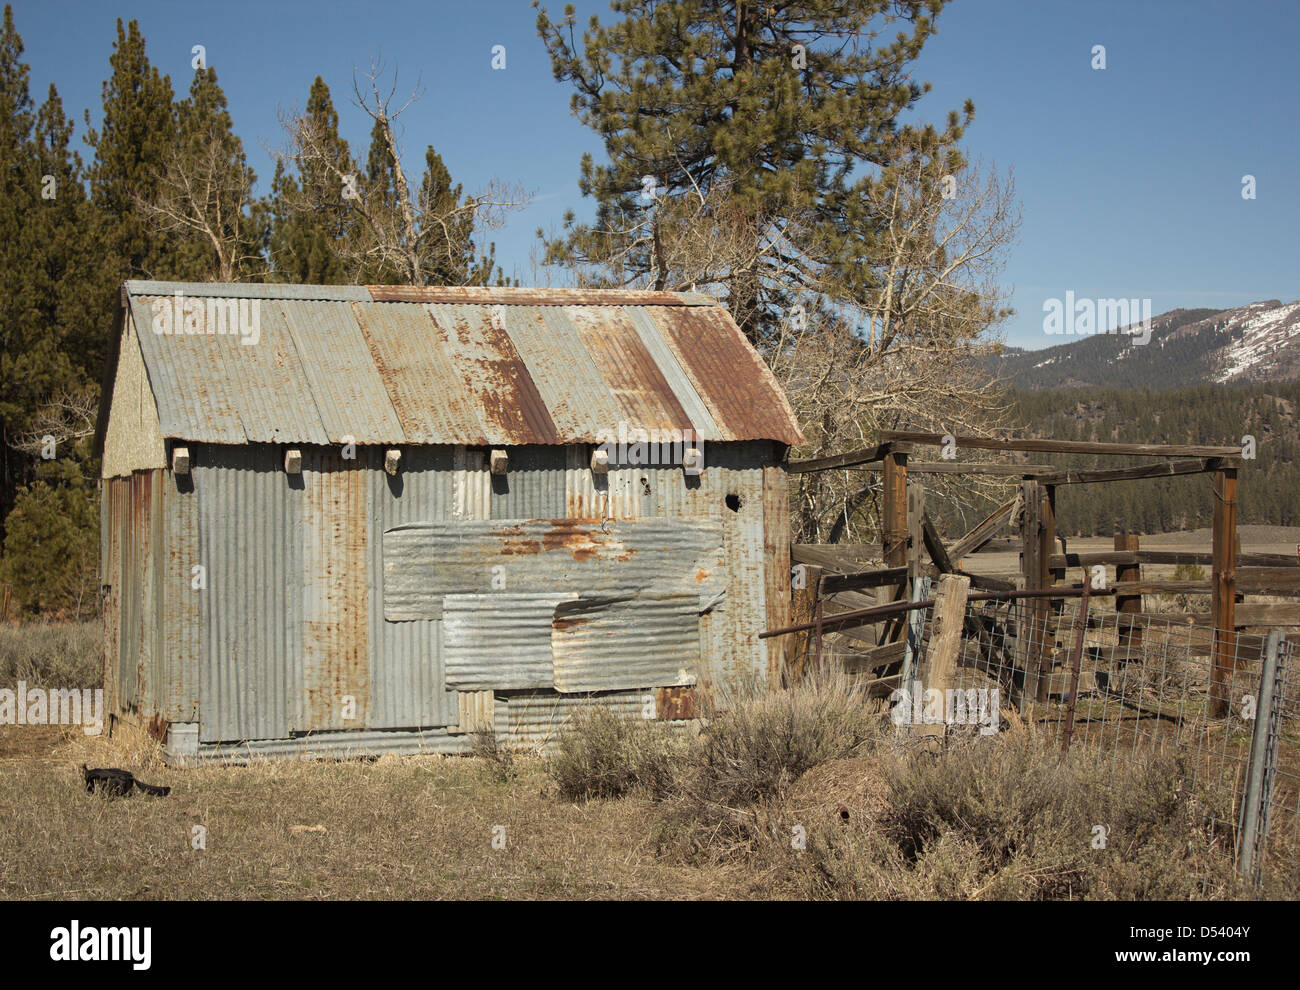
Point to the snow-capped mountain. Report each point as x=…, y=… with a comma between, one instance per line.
x=1255, y=343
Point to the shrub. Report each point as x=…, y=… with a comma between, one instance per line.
x=1006, y=818
x=750, y=755
x=604, y=755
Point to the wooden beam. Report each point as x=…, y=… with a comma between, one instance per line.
x=1168, y=469
x=803, y=608
x=1224, y=593
x=1148, y=587
x=841, y=557
x=833, y=584
x=1029, y=573
x=1268, y=580
x=1045, y=610
x=956, y=467
x=915, y=528
x=875, y=658
x=851, y=458
x=934, y=545
x=1128, y=572
x=1231, y=455
x=983, y=532
x=1276, y=564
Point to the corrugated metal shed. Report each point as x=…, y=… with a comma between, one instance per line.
x=453, y=366
x=345, y=609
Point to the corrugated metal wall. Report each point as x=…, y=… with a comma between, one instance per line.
x=291, y=618
x=406, y=668
x=251, y=545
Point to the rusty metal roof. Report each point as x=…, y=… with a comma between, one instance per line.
x=454, y=365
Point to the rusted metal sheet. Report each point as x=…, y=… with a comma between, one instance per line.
x=423, y=563
x=675, y=703
x=214, y=387
x=500, y=641
x=433, y=401
x=606, y=643
x=486, y=360
x=504, y=296
x=454, y=366
x=697, y=410
x=337, y=746
x=341, y=373
x=575, y=392
x=407, y=683
x=249, y=290
x=336, y=594
x=727, y=372
x=628, y=370
x=250, y=536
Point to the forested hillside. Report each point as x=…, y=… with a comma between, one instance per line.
x=1210, y=414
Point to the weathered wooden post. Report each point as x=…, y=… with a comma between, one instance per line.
x=1128, y=605
x=1045, y=610
x=940, y=669
x=803, y=608
x=894, y=527
x=1224, y=590
x=1030, y=573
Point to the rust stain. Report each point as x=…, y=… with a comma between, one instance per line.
x=702, y=575
x=515, y=548
x=486, y=360
x=561, y=625
x=735, y=383
x=675, y=703
x=157, y=727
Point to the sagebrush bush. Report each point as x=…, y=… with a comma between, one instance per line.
x=749, y=756
x=50, y=654
x=605, y=755
x=1006, y=818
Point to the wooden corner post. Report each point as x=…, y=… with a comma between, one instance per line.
x=893, y=529
x=1224, y=590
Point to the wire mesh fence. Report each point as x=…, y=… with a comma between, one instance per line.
x=1117, y=689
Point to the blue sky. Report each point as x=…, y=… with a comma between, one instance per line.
x=1129, y=178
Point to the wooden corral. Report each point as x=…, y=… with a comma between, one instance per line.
x=845, y=592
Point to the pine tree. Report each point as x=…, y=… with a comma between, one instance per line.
x=204, y=199
x=131, y=148
x=792, y=112
x=308, y=211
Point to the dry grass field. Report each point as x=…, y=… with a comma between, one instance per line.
x=798, y=795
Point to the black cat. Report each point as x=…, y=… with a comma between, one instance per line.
x=119, y=783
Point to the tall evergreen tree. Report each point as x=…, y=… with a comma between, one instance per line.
x=204, y=195
x=131, y=148
x=309, y=210
x=792, y=111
